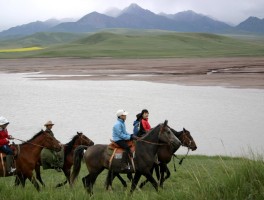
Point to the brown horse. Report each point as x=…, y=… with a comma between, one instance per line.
x=77, y=140
x=165, y=154
x=97, y=159
x=28, y=155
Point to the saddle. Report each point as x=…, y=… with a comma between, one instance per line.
x=117, y=149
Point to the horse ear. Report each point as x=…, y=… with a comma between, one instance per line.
x=166, y=123
x=183, y=129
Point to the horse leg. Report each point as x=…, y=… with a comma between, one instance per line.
x=146, y=181
x=162, y=171
x=17, y=181
x=89, y=180
x=130, y=177
x=152, y=180
x=109, y=179
x=135, y=181
x=165, y=169
x=121, y=180
x=157, y=170
x=67, y=173
x=35, y=183
x=38, y=176
x=167, y=172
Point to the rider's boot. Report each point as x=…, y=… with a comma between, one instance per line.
x=9, y=162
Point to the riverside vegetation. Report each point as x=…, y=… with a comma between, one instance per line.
x=199, y=177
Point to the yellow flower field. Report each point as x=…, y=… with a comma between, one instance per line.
x=20, y=49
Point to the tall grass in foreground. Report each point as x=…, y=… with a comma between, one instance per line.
x=199, y=177
x=244, y=181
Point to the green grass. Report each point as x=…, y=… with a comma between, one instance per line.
x=199, y=178
x=144, y=44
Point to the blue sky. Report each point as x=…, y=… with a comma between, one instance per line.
x=18, y=12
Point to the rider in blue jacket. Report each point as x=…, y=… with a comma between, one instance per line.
x=120, y=135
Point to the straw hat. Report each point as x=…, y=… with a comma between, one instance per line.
x=48, y=123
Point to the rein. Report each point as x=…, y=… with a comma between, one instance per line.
x=181, y=159
x=29, y=142
x=154, y=143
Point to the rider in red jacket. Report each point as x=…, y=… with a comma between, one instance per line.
x=144, y=124
x=4, y=141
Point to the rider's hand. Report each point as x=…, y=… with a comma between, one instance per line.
x=133, y=137
x=10, y=137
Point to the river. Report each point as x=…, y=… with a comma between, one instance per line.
x=222, y=121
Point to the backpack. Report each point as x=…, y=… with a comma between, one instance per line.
x=136, y=128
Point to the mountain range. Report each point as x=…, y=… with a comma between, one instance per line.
x=135, y=17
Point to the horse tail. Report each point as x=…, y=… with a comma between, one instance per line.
x=77, y=157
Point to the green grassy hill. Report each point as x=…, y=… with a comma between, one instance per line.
x=199, y=178
x=40, y=39
x=137, y=44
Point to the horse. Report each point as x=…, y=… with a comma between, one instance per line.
x=165, y=154
x=77, y=140
x=97, y=159
x=28, y=154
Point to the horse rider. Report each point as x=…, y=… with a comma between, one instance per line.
x=4, y=147
x=120, y=136
x=144, y=124
x=50, y=158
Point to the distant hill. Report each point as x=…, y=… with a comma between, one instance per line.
x=40, y=39
x=135, y=17
x=90, y=22
x=252, y=24
x=31, y=28
x=144, y=44
x=190, y=21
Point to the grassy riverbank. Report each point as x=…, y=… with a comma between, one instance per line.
x=199, y=177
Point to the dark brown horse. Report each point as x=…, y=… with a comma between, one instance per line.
x=165, y=154
x=77, y=140
x=28, y=155
x=97, y=158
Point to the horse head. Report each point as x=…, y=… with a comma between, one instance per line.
x=50, y=142
x=83, y=140
x=167, y=136
x=187, y=140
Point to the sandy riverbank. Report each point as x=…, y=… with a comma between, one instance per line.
x=227, y=72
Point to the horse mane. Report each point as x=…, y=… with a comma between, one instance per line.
x=36, y=135
x=69, y=145
x=150, y=132
x=176, y=133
